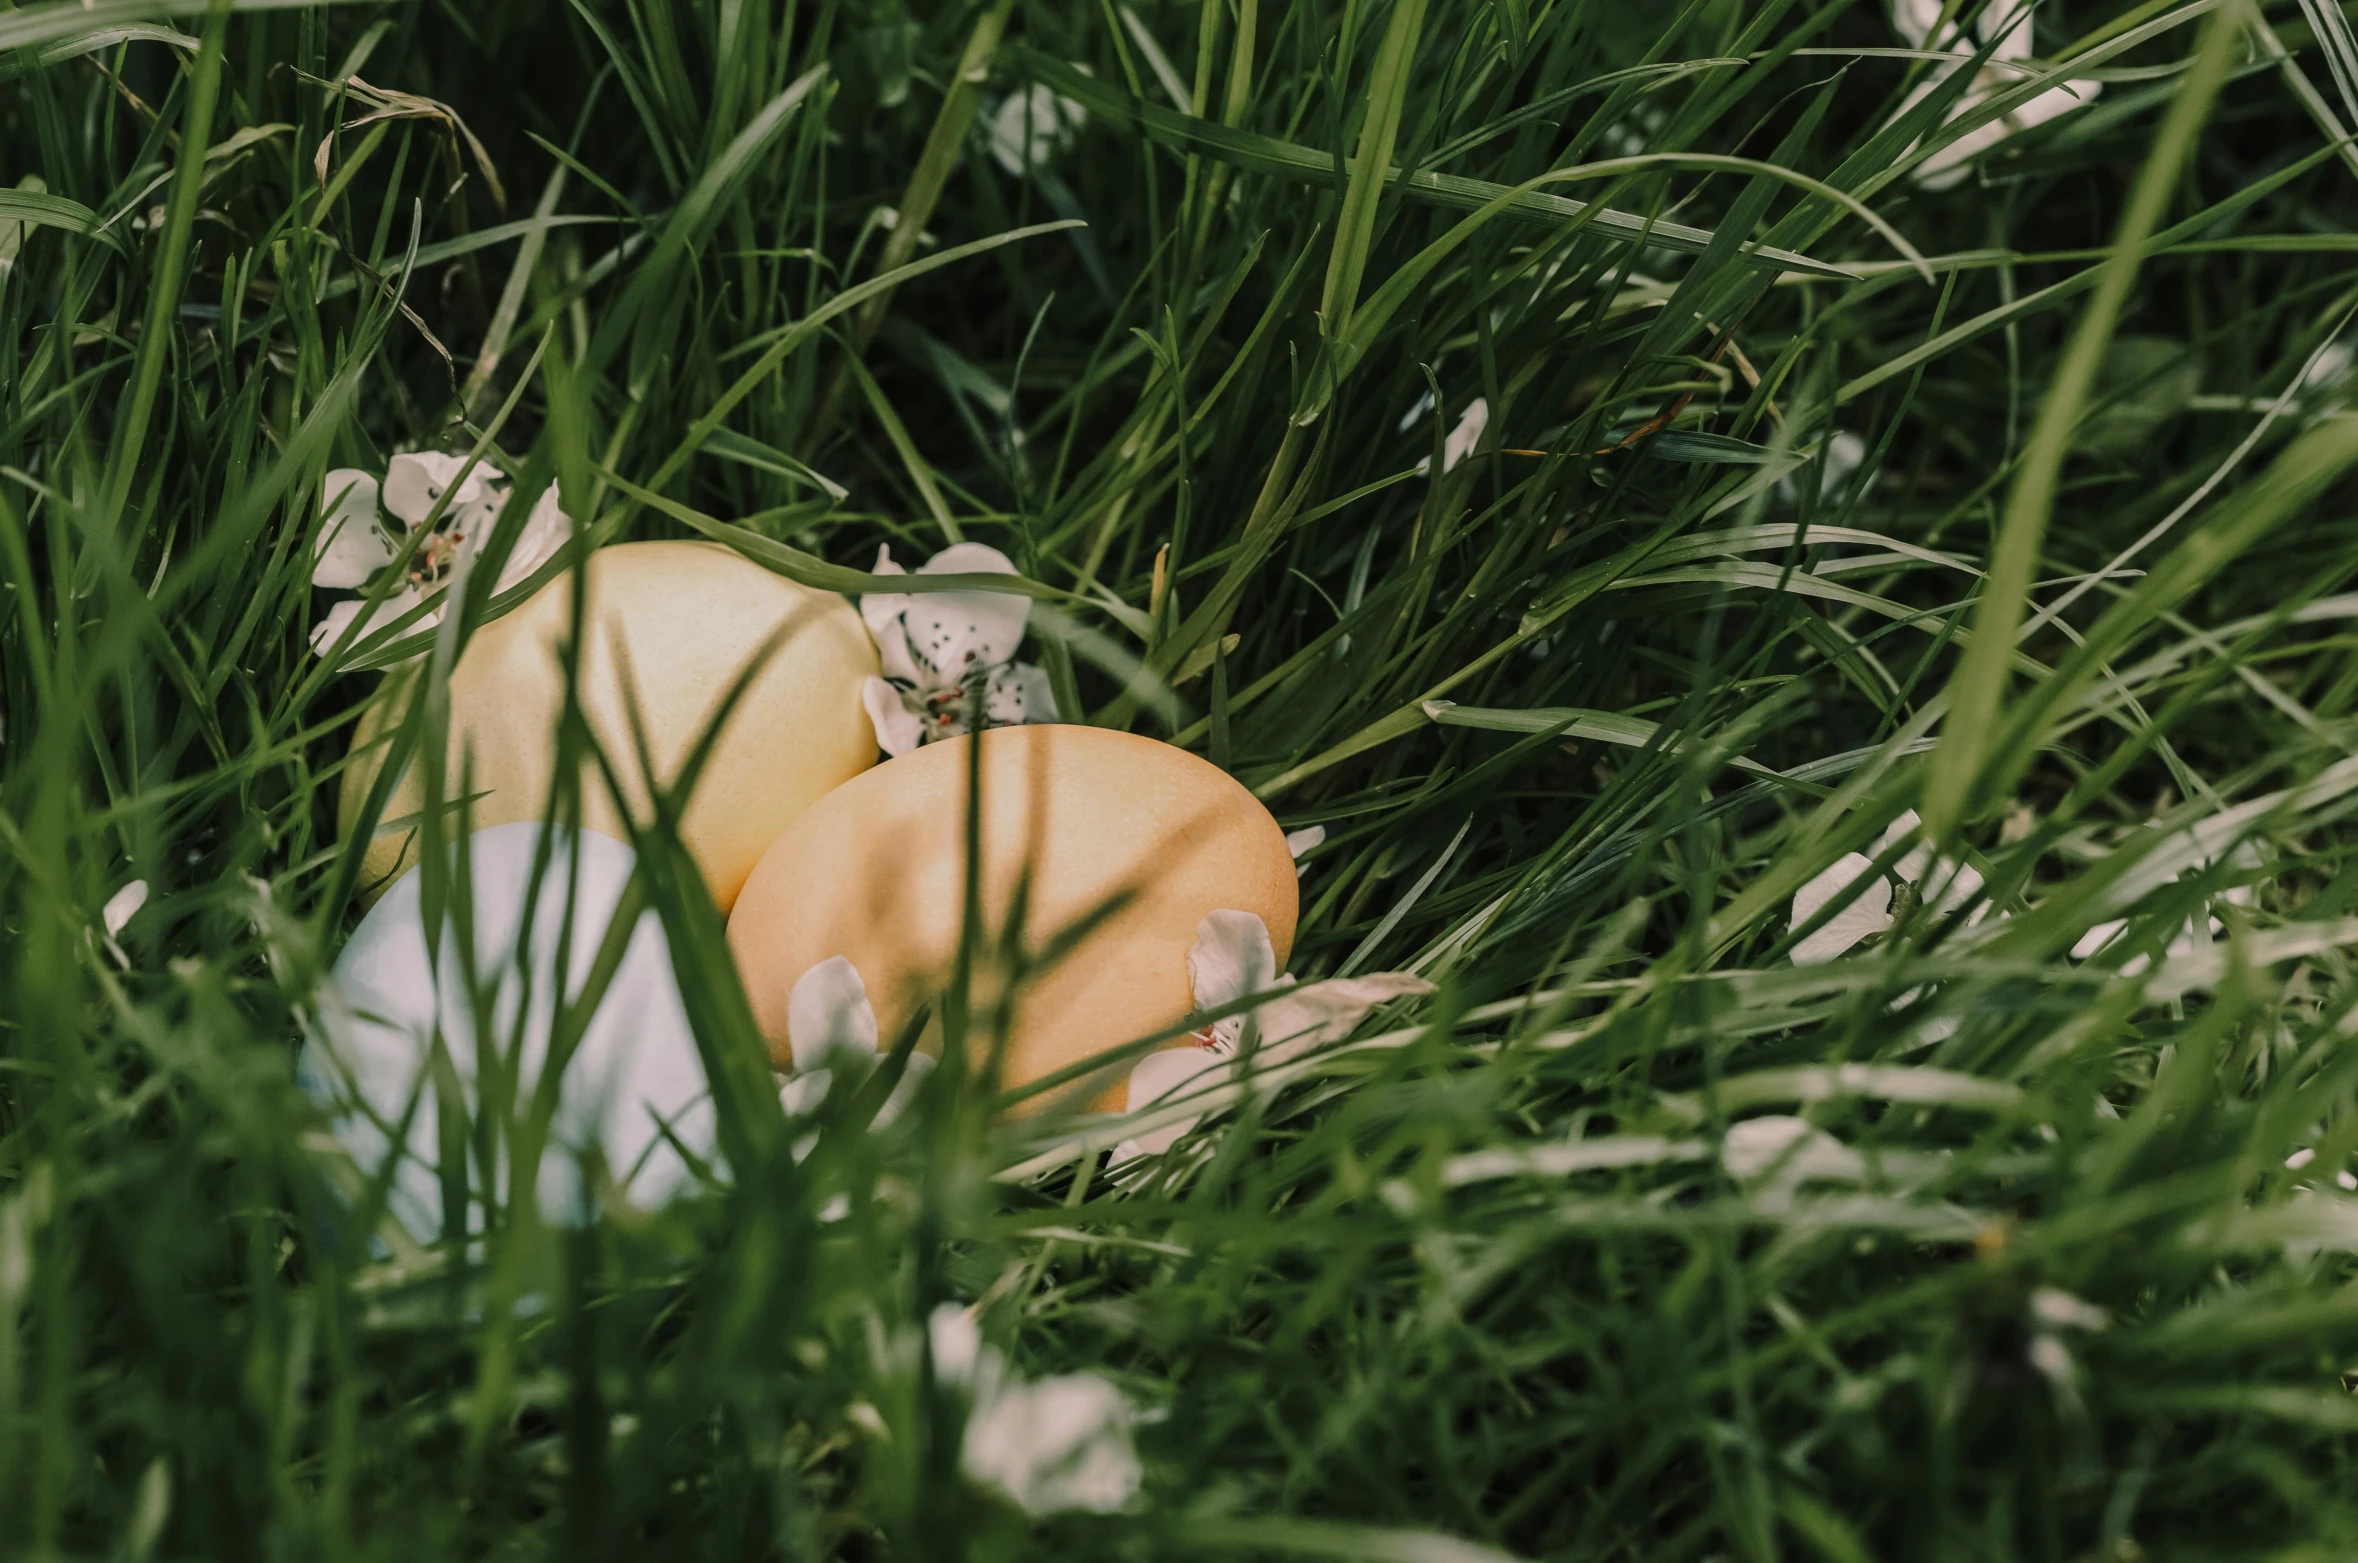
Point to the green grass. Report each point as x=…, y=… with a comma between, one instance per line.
x=1580, y=714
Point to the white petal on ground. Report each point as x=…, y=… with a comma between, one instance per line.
x=352, y=546
x=1298, y=842
x=1869, y=913
x=415, y=481
x=2057, y=1309
x=898, y=729
x=829, y=1011
x=1032, y=126
x=1789, y=1151
x=1056, y=1444
x=635, y=1071
x=2007, y=23
x=1471, y=425
x=1297, y=1021
x=1302, y=1019
x=959, y=1356
x=122, y=906
x=1171, y=1073
x=1231, y=957
x=331, y=627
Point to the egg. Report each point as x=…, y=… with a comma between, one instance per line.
x=669, y=627
x=634, y=1088
x=875, y=872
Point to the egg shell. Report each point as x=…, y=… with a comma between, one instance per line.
x=633, y=1084
x=875, y=872
x=673, y=625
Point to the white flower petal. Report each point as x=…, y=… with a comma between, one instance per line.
x=898, y=729
x=881, y=612
x=1057, y=1444
x=415, y=481
x=1298, y=842
x=352, y=546
x=2005, y=23
x=959, y=1355
x=1916, y=19
x=1019, y=693
x=122, y=906
x=947, y=632
x=1032, y=126
x=546, y=530
x=1470, y=427
x=1869, y=914
x=800, y=1094
x=634, y=1074
x=331, y=627
x=828, y=1010
x=1950, y=887
x=1789, y=1149
x=1302, y=1019
x=1159, y=1077
x=1231, y=957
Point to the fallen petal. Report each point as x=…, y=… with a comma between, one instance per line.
x=415, y=481
x=1061, y=1443
x=352, y=546
x=829, y=1010
x=122, y=906
x=1869, y=914
x=1160, y=1077
x=1231, y=957
x=1306, y=1018
x=898, y=729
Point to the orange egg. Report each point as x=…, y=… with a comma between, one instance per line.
x=875, y=872
x=669, y=628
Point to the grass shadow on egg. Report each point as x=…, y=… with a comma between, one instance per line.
x=1101, y=852
x=669, y=629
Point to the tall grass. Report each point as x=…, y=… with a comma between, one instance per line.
x=1808, y=494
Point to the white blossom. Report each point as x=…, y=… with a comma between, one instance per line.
x=1032, y=127
x=2198, y=932
x=365, y=525
x=122, y=906
x=931, y=643
x=1471, y=425
x=1231, y=960
x=1050, y=1445
x=2004, y=26
x=1940, y=885
x=830, y=1020
x=832, y=1029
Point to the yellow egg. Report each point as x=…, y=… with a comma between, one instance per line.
x=875, y=872
x=669, y=627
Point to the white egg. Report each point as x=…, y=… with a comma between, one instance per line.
x=635, y=1072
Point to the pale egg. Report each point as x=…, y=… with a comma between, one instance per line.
x=669, y=629
x=1094, y=823
x=633, y=1089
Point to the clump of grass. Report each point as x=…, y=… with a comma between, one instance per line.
x=1636, y=1238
